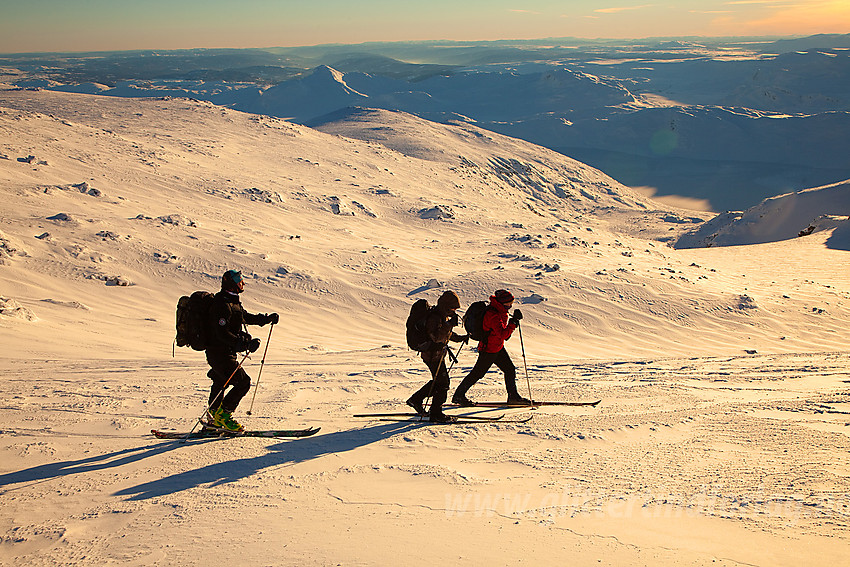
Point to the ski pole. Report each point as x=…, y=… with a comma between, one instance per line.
x=260, y=373
x=524, y=362
x=220, y=393
x=454, y=356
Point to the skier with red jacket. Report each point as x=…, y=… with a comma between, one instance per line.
x=499, y=328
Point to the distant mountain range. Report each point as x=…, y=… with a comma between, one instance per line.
x=727, y=121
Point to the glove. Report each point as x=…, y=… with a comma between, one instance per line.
x=513, y=321
x=273, y=318
x=243, y=339
x=517, y=314
x=245, y=342
x=453, y=320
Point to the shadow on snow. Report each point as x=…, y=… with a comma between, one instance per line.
x=290, y=451
x=287, y=452
x=80, y=466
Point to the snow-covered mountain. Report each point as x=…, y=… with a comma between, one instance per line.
x=783, y=217
x=723, y=124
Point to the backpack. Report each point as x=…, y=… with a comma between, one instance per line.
x=417, y=335
x=192, y=324
x=473, y=320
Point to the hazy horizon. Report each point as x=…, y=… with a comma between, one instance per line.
x=42, y=26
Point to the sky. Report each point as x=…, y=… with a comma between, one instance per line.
x=108, y=25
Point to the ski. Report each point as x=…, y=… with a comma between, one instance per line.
x=210, y=433
x=425, y=417
x=416, y=418
x=533, y=404
x=455, y=419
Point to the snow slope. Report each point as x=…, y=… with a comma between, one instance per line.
x=721, y=433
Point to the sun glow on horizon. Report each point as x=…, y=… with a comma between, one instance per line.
x=828, y=16
x=103, y=25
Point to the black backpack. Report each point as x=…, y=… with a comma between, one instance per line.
x=417, y=334
x=473, y=320
x=192, y=320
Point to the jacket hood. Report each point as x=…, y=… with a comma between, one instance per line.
x=495, y=303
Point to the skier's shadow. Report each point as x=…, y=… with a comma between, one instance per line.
x=291, y=452
x=80, y=466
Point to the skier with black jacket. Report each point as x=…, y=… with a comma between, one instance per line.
x=439, y=322
x=228, y=336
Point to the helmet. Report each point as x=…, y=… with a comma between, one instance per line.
x=232, y=281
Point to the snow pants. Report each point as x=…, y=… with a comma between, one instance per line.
x=224, y=367
x=503, y=362
x=437, y=387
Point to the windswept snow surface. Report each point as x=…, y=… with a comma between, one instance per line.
x=721, y=437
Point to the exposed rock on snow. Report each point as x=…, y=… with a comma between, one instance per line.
x=61, y=217
x=289, y=274
x=680, y=219
x=438, y=212
x=12, y=309
x=364, y=209
x=176, y=220
x=262, y=195
x=165, y=257
x=549, y=268
x=340, y=207
x=107, y=235
x=9, y=249
x=87, y=189
x=119, y=281
x=529, y=240
x=84, y=187
x=71, y=304
x=824, y=222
